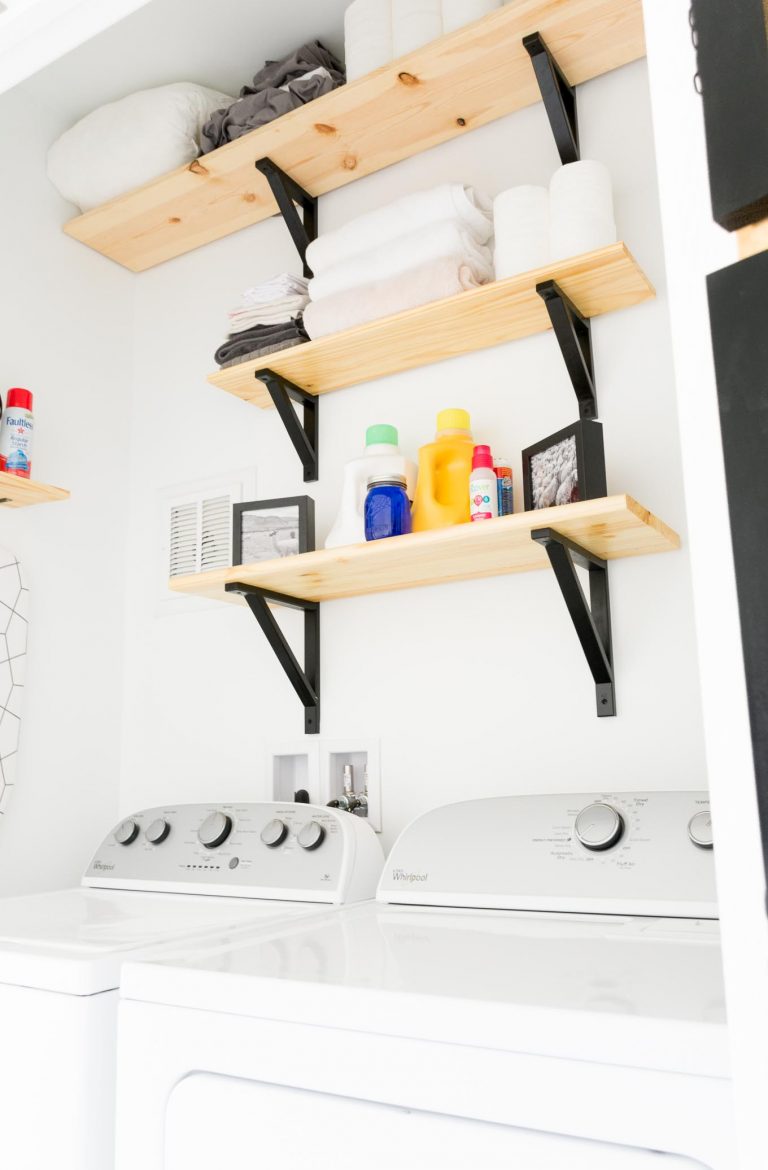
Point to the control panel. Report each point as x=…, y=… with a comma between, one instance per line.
x=298, y=852
x=606, y=853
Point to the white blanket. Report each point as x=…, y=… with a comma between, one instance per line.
x=418, y=286
x=471, y=209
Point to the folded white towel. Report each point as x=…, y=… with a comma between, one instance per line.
x=447, y=238
x=368, y=40
x=432, y=281
x=415, y=23
x=282, y=285
x=420, y=209
x=457, y=13
x=272, y=314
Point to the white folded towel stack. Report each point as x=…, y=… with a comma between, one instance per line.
x=581, y=209
x=521, y=229
x=457, y=13
x=415, y=23
x=367, y=37
x=422, y=247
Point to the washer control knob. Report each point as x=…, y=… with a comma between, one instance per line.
x=599, y=826
x=700, y=829
x=157, y=832
x=126, y=832
x=311, y=835
x=274, y=833
x=214, y=830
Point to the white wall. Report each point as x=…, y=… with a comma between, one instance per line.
x=66, y=333
x=694, y=247
x=203, y=693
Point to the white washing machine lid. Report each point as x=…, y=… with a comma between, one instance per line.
x=639, y=991
x=75, y=941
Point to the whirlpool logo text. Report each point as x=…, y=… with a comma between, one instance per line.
x=403, y=875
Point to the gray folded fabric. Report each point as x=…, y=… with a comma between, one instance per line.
x=238, y=345
x=267, y=349
x=278, y=88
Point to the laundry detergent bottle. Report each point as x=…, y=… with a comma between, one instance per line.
x=382, y=458
x=442, y=493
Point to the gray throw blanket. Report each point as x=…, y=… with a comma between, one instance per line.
x=260, y=339
x=279, y=87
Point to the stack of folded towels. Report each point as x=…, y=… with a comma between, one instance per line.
x=268, y=319
x=428, y=245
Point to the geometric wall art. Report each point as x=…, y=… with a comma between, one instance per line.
x=14, y=616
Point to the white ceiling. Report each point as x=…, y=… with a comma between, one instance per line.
x=220, y=43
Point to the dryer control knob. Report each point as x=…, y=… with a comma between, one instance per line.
x=311, y=835
x=599, y=826
x=126, y=832
x=157, y=832
x=274, y=833
x=700, y=829
x=214, y=830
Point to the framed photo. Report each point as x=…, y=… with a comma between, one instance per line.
x=565, y=467
x=267, y=529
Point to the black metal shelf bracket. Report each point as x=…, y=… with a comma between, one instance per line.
x=574, y=336
x=306, y=681
x=559, y=98
x=304, y=435
x=592, y=621
x=288, y=194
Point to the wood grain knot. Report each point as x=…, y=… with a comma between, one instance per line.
x=174, y=219
x=249, y=197
x=197, y=168
x=461, y=121
x=324, y=128
x=349, y=162
x=408, y=78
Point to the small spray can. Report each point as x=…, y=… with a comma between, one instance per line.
x=16, y=433
x=504, y=486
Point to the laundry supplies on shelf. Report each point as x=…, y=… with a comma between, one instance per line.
x=267, y=320
x=387, y=508
x=483, y=486
x=382, y=458
x=429, y=245
x=127, y=143
x=505, y=495
x=378, y=31
x=442, y=496
x=16, y=432
x=278, y=88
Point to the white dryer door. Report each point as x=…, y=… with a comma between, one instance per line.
x=222, y=1121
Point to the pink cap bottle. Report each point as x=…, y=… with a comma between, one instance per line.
x=483, y=488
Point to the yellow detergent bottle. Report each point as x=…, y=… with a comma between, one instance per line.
x=442, y=490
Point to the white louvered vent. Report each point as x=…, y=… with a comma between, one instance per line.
x=196, y=523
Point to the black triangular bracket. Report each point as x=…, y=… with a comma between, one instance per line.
x=306, y=681
x=559, y=98
x=288, y=194
x=592, y=621
x=304, y=436
x=574, y=336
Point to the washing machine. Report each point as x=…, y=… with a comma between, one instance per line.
x=538, y=986
x=161, y=878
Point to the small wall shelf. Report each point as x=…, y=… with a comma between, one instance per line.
x=16, y=492
x=597, y=282
x=612, y=527
x=446, y=88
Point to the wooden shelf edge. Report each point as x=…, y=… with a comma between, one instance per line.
x=613, y=527
x=461, y=81
x=597, y=282
x=17, y=492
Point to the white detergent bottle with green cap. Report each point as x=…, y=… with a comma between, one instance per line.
x=382, y=457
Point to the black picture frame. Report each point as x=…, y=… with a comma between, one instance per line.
x=304, y=507
x=590, y=461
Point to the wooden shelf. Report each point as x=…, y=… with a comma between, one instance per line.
x=16, y=492
x=447, y=88
x=613, y=527
x=597, y=282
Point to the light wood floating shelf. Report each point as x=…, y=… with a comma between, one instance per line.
x=597, y=282
x=16, y=492
x=447, y=88
x=613, y=527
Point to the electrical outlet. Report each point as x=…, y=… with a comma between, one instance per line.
x=291, y=767
x=365, y=757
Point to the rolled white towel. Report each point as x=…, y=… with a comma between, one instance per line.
x=444, y=277
x=521, y=227
x=415, y=23
x=576, y=234
x=396, y=256
x=583, y=187
x=457, y=13
x=469, y=207
x=368, y=40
